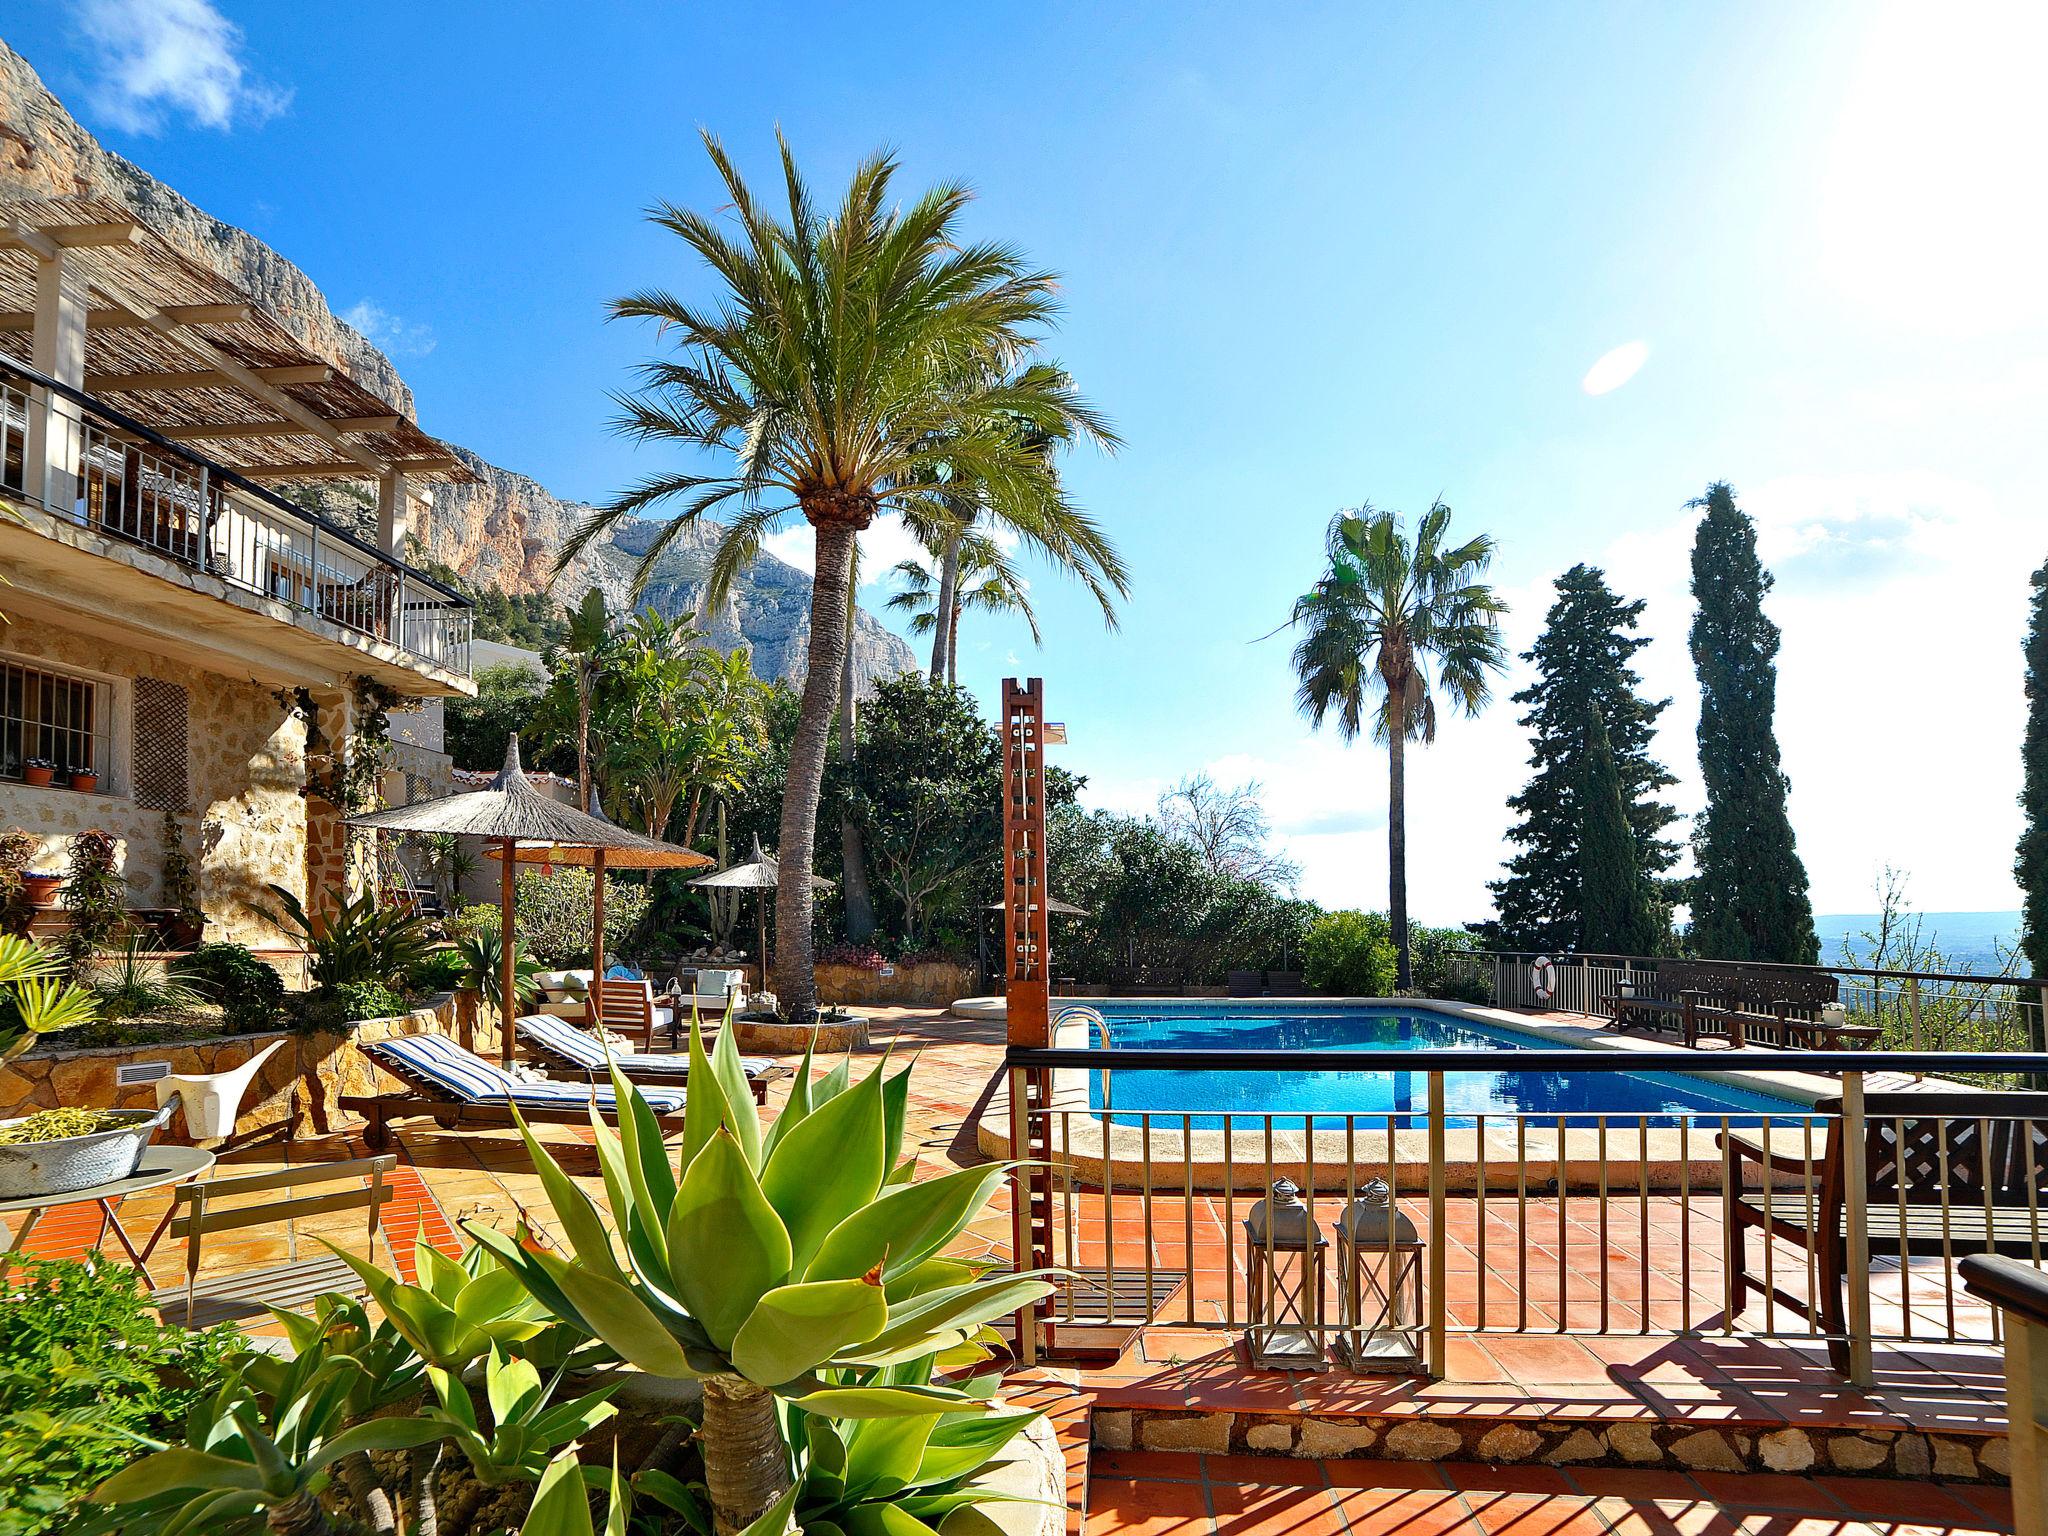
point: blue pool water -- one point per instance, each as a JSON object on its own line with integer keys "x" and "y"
{"x": 1307, "y": 1029}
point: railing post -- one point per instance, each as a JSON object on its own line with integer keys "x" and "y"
{"x": 1026, "y": 1317}
{"x": 2037, "y": 1036}
{"x": 1439, "y": 1240}
{"x": 1856, "y": 1217}
{"x": 205, "y": 519}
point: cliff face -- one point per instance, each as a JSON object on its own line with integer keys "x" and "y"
{"x": 502, "y": 531}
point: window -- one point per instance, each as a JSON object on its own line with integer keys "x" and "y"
{"x": 53, "y": 717}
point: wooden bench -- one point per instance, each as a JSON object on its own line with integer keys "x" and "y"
{"x": 294, "y": 1285}
{"x": 1708, "y": 998}
{"x": 1946, "y": 1174}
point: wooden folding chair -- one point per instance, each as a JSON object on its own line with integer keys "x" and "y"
{"x": 295, "y": 1284}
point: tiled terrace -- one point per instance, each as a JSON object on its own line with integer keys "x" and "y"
{"x": 1538, "y": 1380}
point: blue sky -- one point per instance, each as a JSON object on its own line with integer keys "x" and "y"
{"x": 1310, "y": 257}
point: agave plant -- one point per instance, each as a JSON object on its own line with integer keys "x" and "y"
{"x": 359, "y": 939}
{"x": 525, "y": 1428}
{"x": 35, "y": 999}
{"x": 800, "y": 1265}
{"x": 257, "y": 1461}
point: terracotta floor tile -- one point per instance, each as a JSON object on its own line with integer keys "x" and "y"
{"x": 1769, "y": 1491}
{"x": 1385, "y": 1476}
{"x": 1534, "y": 1514}
{"x": 1894, "y": 1499}
{"x": 1171, "y": 1466}
{"x": 1255, "y": 1510}
{"x": 1475, "y": 1477}
{"x": 1138, "y": 1507}
{"x": 1402, "y": 1512}
{"x": 1265, "y": 1470}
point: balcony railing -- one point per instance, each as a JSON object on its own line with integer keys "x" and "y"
{"x": 126, "y": 482}
{"x": 1943, "y": 1011}
{"x": 1838, "y": 1223}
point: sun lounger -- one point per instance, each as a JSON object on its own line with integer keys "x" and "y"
{"x": 462, "y": 1090}
{"x": 573, "y": 1053}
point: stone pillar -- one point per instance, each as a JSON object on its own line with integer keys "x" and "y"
{"x": 393, "y": 511}
{"x": 57, "y": 348}
{"x": 337, "y": 865}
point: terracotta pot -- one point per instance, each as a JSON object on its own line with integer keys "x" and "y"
{"x": 85, "y": 783}
{"x": 41, "y": 889}
{"x": 38, "y": 776}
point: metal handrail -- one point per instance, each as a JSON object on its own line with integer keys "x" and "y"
{"x": 1650, "y": 962}
{"x": 222, "y": 472}
{"x": 1824, "y": 1063}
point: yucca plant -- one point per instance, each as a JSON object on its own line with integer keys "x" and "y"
{"x": 355, "y": 940}
{"x": 525, "y": 1428}
{"x": 35, "y": 997}
{"x": 801, "y": 1264}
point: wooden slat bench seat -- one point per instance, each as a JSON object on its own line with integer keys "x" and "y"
{"x": 1946, "y": 1174}
{"x": 1706, "y": 999}
{"x": 216, "y": 1205}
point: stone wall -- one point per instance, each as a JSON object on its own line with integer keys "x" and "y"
{"x": 243, "y": 821}
{"x": 304, "y": 1081}
{"x": 928, "y": 984}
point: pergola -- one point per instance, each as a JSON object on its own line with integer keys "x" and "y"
{"x": 94, "y": 299}
{"x": 509, "y": 813}
{"x": 597, "y": 861}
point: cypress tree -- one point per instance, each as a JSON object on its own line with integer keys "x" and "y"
{"x": 1618, "y": 910}
{"x": 1749, "y": 897}
{"x": 2031, "y": 868}
{"x": 1583, "y": 668}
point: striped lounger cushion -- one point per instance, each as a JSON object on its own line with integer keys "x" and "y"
{"x": 573, "y": 1044}
{"x": 470, "y": 1078}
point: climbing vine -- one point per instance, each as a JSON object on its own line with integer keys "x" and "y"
{"x": 349, "y": 778}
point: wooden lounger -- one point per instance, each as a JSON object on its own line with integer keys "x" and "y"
{"x": 482, "y": 1109}
{"x": 559, "y": 1050}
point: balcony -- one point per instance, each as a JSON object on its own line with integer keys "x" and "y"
{"x": 294, "y": 585}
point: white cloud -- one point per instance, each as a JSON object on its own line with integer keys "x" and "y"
{"x": 1615, "y": 368}
{"x": 160, "y": 58}
{"x": 883, "y": 544}
{"x": 395, "y": 335}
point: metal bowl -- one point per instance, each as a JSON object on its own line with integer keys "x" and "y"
{"x": 32, "y": 1168}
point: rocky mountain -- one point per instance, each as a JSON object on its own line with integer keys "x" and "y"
{"x": 502, "y": 531}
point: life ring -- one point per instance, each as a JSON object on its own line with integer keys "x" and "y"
{"x": 1543, "y": 977}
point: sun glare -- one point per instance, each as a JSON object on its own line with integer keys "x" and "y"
{"x": 1616, "y": 368}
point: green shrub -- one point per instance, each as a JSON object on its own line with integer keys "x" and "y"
{"x": 359, "y": 939}
{"x": 1440, "y": 969}
{"x": 551, "y": 917}
{"x": 367, "y": 1000}
{"x": 249, "y": 992}
{"x": 83, "y": 1362}
{"x": 440, "y": 971}
{"x": 1350, "y": 954}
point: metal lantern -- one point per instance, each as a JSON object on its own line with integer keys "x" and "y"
{"x": 1379, "y": 1283}
{"x": 1284, "y": 1267}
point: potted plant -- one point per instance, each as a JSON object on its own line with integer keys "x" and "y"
{"x": 38, "y": 771}
{"x": 41, "y": 888}
{"x": 85, "y": 780}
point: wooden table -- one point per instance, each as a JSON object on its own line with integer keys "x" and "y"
{"x": 160, "y": 1166}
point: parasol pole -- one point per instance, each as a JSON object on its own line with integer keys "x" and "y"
{"x": 761, "y": 933}
{"x": 596, "y": 1009}
{"x": 506, "y": 1005}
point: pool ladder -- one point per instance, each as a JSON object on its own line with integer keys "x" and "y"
{"x": 1099, "y": 1027}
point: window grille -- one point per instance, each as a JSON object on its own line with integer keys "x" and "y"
{"x": 52, "y": 717}
{"x": 161, "y": 715}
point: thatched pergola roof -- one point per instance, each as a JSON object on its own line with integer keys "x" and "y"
{"x": 512, "y": 809}
{"x": 662, "y": 856}
{"x": 761, "y": 874}
{"x": 166, "y": 336}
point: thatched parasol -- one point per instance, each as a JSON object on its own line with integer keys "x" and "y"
{"x": 598, "y": 860}
{"x": 761, "y": 874}
{"x": 510, "y": 812}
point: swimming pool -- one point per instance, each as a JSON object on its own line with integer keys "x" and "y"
{"x": 1577, "y": 1097}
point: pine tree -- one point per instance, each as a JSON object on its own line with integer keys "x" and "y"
{"x": 1582, "y": 662}
{"x": 2031, "y": 868}
{"x": 1618, "y": 909}
{"x": 1749, "y": 898}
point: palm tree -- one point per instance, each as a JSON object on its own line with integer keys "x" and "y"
{"x": 589, "y": 646}
{"x": 841, "y": 350}
{"x": 985, "y": 582}
{"x": 1383, "y": 611}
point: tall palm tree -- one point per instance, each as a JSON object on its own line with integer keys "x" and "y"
{"x": 589, "y": 645}
{"x": 985, "y": 581}
{"x": 1383, "y": 613}
{"x": 839, "y": 350}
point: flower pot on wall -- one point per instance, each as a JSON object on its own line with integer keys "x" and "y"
{"x": 41, "y": 889}
{"x": 85, "y": 781}
{"x": 38, "y": 774}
